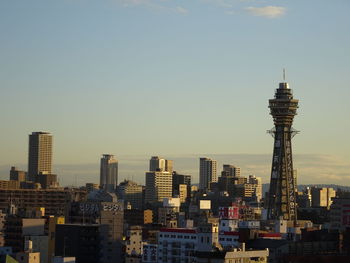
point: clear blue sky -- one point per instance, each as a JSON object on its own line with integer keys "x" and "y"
{"x": 145, "y": 77}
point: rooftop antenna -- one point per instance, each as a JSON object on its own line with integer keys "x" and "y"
{"x": 284, "y": 74}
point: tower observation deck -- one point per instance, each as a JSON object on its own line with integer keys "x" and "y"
{"x": 282, "y": 193}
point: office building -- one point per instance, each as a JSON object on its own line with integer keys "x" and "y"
{"x": 131, "y": 192}
{"x": 158, "y": 186}
{"x": 17, "y": 175}
{"x": 79, "y": 241}
{"x": 39, "y": 154}
{"x": 160, "y": 165}
{"x": 231, "y": 170}
{"x": 322, "y": 197}
{"x": 282, "y": 194}
{"x": 207, "y": 172}
{"x": 108, "y": 173}
{"x": 179, "y": 180}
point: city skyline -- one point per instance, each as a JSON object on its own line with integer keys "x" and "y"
{"x": 176, "y": 79}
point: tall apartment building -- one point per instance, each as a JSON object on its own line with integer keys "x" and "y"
{"x": 131, "y": 192}
{"x": 158, "y": 186}
{"x": 179, "y": 180}
{"x": 207, "y": 172}
{"x": 322, "y": 197}
{"x": 108, "y": 173}
{"x": 39, "y": 154}
{"x": 160, "y": 164}
{"x": 231, "y": 170}
{"x": 17, "y": 175}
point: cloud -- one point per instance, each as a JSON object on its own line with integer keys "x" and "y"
{"x": 156, "y": 5}
{"x": 267, "y": 11}
{"x": 181, "y": 10}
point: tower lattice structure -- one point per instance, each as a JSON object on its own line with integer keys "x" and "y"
{"x": 282, "y": 194}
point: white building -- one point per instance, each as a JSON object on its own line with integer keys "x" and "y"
{"x": 150, "y": 253}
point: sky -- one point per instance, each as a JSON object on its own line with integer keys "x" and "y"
{"x": 179, "y": 79}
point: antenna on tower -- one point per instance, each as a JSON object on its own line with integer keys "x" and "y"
{"x": 284, "y": 74}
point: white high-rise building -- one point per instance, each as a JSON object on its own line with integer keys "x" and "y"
{"x": 207, "y": 172}
{"x": 108, "y": 173}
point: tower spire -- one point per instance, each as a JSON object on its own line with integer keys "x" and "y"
{"x": 284, "y": 75}
{"x": 282, "y": 193}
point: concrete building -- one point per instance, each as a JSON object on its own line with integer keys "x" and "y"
{"x": 39, "y": 154}
{"x": 238, "y": 255}
{"x": 150, "y": 253}
{"x": 2, "y": 229}
{"x": 79, "y": 241}
{"x": 134, "y": 245}
{"x": 17, "y": 228}
{"x": 108, "y": 173}
{"x": 55, "y": 201}
{"x": 91, "y": 187}
{"x": 158, "y": 186}
{"x": 340, "y": 214}
{"x": 132, "y": 193}
{"x": 322, "y": 197}
{"x": 11, "y": 184}
{"x": 17, "y": 175}
{"x": 231, "y": 170}
{"x": 207, "y": 172}
{"x": 63, "y": 260}
{"x": 157, "y": 164}
{"x": 181, "y": 179}
{"x": 175, "y": 244}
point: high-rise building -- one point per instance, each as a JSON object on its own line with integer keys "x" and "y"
{"x": 108, "y": 173}
{"x": 158, "y": 186}
{"x": 231, "y": 170}
{"x": 39, "y": 154}
{"x": 322, "y": 197}
{"x": 179, "y": 180}
{"x": 17, "y": 175}
{"x": 157, "y": 164}
{"x": 207, "y": 172}
{"x": 282, "y": 193}
{"x": 132, "y": 193}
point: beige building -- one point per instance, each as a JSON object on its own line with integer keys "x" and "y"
{"x": 183, "y": 192}
{"x": 17, "y": 175}
{"x": 131, "y": 192}
{"x": 158, "y": 186}
{"x": 39, "y": 154}
{"x": 322, "y": 197}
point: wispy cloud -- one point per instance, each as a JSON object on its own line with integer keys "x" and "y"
{"x": 156, "y": 5}
{"x": 267, "y": 11}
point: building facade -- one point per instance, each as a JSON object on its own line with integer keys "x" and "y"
{"x": 108, "y": 173}
{"x": 39, "y": 154}
{"x": 207, "y": 172}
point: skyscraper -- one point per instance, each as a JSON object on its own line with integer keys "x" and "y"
{"x": 207, "y": 172}
{"x": 108, "y": 173}
{"x": 160, "y": 164}
{"x": 282, "y": 194}
{"x": 39, "y": 154}
{"x": 158, "y": 186}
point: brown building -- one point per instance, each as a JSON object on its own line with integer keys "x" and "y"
{"x": 6, "y": 185}
{"x": 55, "y": 201}
{"x": 17, "y": 175}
